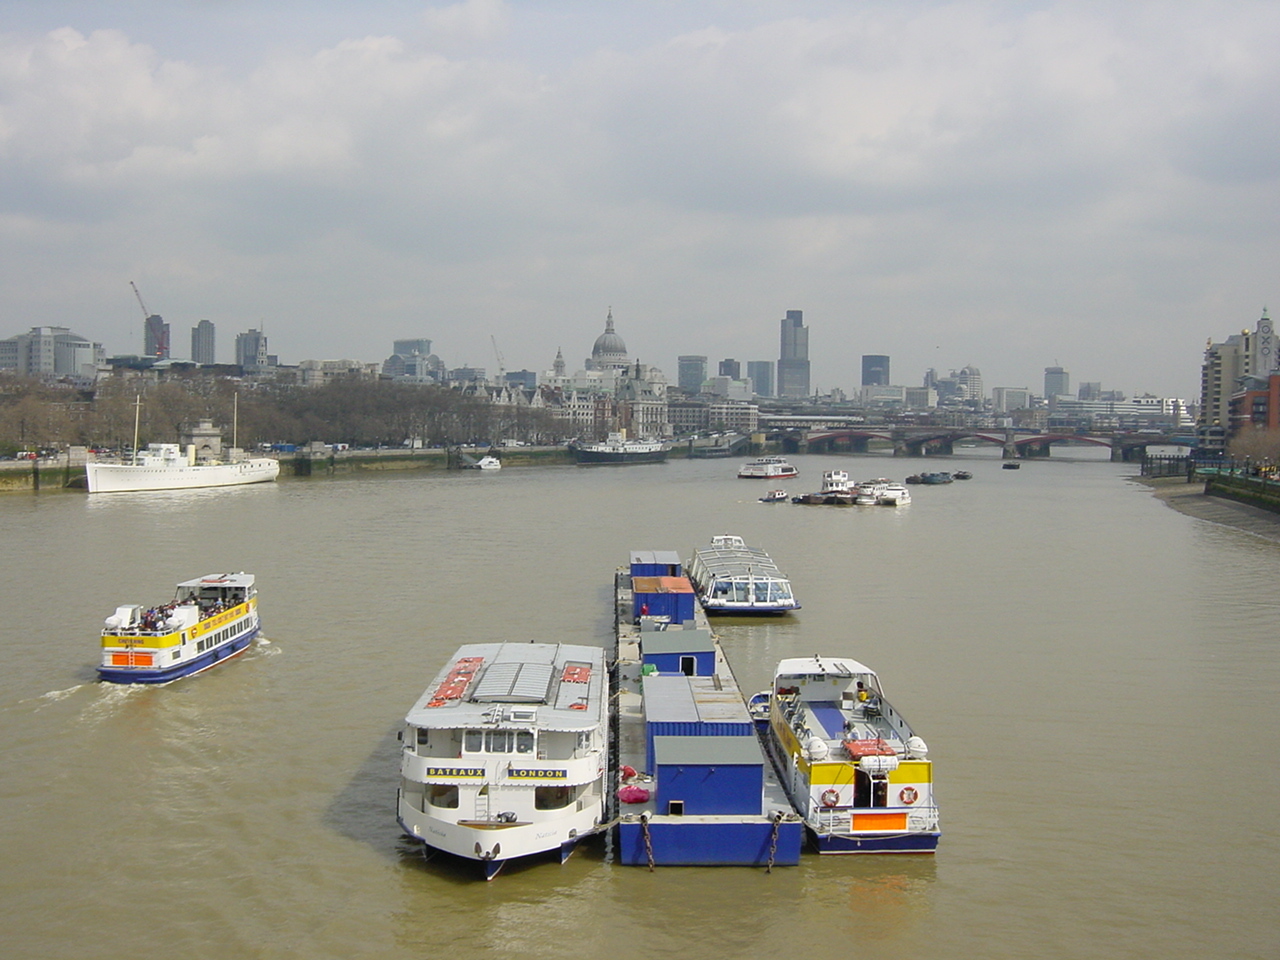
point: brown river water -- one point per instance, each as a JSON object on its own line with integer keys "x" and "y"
{"x": 1097, "y": 676}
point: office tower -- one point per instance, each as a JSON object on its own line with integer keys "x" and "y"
{"x": 1090, "y": 391}
{"x": 793, "y": 361}
{"x": 760, "y": 373}
{"x": 155, "y": 337}
{"x": 875, "y": 370}
{"x": 731, "y": 368}
{"x": 691, "y": 373}
{"x": 251, "y": 350}
{"x": 202, "y": 343}
{"x": 1057, "y": 382}
{"x": 407, "y": 348}
{"x": 1008, "y": 399}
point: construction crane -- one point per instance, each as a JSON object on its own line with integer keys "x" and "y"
{"x": 155, "y": 332}
{"x": 502, "y": 370}
{"x": 146, "y": 314}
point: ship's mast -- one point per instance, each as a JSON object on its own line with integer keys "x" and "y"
{"x": 137, "y": 413}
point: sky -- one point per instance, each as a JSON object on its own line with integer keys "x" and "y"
{"x": 1006, "y": 185}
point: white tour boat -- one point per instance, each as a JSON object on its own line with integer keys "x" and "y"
{"x": 211, "y": 619}
{"x": 853, "y": 767}
{"x": 767, "y": 468}
{"x": 489, "y": 463}
{"x": 731, "y": 577}
{"x": 894, "y": 495}
{"x": 868, "y": 492}
{"x": 505, "y": 753}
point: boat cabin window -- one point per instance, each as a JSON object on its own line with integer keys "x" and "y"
{"x": 443, "y": 795}
{"x": 498, "y": 741}
{"x": 552, "y": 798}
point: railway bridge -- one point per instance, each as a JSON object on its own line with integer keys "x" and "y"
{"x": 1015, "y": 444}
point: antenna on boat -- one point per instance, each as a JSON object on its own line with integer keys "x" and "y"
{"x": 137, "y": 412}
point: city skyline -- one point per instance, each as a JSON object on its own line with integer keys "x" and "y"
{"x": 1089, "y": 186}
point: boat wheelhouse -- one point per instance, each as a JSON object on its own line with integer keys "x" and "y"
{"x": 731, "y": 577}
{"x": 854, "y": 769}
{"x": 767, "y": 468}
{"x": 504, "y": 755}
{"x": 836, "y": 490}
{"x": 211, "y": 619}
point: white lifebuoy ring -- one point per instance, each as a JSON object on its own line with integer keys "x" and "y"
{"x": 830, "y": 798}
{"x": 908, "y": 795}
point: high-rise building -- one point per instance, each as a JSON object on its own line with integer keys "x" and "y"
{"x": 793, "y": 359}
{"x": 51, "y": 352}
{"x": 155, "y": 337}
{"x": 1008, "y": 399}
{"x": 1057, "y": 382}
{"x": 1089, "y": 390}
{"x": 760, "y": 373}
{"x": 407, "y": 348}
{"x": 691, "y": 374}
{"x": 875, "y": 370}
{"x": 251, "y": 350}
{"x": 202, "y": 343}
{"x": 731, "y": 368}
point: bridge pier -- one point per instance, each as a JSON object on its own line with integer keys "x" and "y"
{"x": 1010, "y": 451}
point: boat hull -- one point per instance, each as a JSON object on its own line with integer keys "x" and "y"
{"x": 687, "y": 842}
{"x": 828, "y": 843}
{"x": 198, "y": 664}
{"x": 589, "y": 457}
{"x": 128, "y": 478}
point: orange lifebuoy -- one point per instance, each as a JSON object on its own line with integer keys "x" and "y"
{"x": 830, "y": 798}
{"x": 908, "y": 795}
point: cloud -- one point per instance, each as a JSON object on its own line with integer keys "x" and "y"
{"x": 947, "y": 183}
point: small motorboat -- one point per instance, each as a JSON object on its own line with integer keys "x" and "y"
{"x": 962, "y": 475}
{"x": 1011, "y": 465}
{"x": 775, "y": 496}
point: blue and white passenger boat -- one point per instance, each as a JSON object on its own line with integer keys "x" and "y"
{"x": 211, "y": 619}
{"x": 731, "y": 577}
{"x": 505, "y": 754}
{"x": 695, "y": 787}
{"x": 854, "y": 769}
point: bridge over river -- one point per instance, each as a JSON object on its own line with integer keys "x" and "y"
{"x": 1015, "y": 444}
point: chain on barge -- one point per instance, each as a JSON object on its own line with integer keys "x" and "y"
{"x": 695, "y": 787}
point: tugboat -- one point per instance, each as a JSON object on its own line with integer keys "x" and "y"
{"x": 774, "y": 496}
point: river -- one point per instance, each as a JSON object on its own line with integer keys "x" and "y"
{"x": 1096, "y": 676}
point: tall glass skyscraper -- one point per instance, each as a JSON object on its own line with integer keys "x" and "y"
{"x": 875, "y": 370}
{"x": 691, "y": 373}
{"x": 793, "y": 360}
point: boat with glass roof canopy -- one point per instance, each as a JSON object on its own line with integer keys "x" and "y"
{"x": 731, "y": 577}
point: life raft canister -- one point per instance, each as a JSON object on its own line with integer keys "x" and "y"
{"x": 830, "y": 798}
{"x": 908, "y": 795}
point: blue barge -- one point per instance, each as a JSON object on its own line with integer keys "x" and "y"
{"x": 695, "y": 787}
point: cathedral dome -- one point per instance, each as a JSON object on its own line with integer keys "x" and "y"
{"x": 609, "y": 349}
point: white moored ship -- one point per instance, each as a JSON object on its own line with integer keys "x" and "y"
{"x": 731, "y": 577}
{"x": 211, "y": 619}
{"x": 767, "y": 468}
{"x": 505, "y": 753}
{"x": 165, "y": 466}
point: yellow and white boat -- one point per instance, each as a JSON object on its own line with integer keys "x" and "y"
{"x": 852, "y": 766}
{"x": 211, "y": 619}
